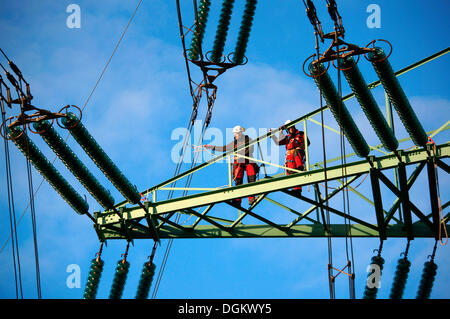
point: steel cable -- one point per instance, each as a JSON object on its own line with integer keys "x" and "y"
{"x": 82, "y": 109}
{"x": 12, "y": 214}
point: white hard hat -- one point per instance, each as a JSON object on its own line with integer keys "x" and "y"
{"x": 238, "y": 129}
{"x": 287, "y": 122}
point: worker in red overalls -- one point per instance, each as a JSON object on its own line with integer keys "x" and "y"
{"x": 240, "y": 164}
{"x": 295, "y": 149}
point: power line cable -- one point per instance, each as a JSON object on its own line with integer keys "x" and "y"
{"x": 11, "y": 208}
{"x": 82, "y": 109}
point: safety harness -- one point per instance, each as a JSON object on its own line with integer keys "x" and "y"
{"x": 295, "y": 146}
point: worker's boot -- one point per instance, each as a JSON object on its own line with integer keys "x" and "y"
{"x": 237, "y": 201}
{"x": 297, "y": 191}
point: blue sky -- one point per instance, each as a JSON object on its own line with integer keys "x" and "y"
{"x": 144, "y": 96}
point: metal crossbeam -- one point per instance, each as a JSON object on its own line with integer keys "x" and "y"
{"x": 216, "y": 227}
{"x": 295, "y": 122}
{"x": 266, "y": 231}
{"x": 110, "y": 225}
{"x": 275, "y": 184}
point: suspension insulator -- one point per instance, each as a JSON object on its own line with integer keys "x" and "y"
{"x": 371, "y": 292}
{"x": 197, "y": 37}
{"x": 427, "y": 280}
{"x": 99, "y": 157}
{"x": 120, "y": 278}
{"x": 244, "y": 32}
{"x": 339, "y": 110}
{"x": 95, "y": 273}
{"x": 48, "y": 171}
{"x": 397, "y": 96}
{"x": 368, "y": 103}
{"x": 222, "y": 30}
{"x": 72, "y": 162}
{"x": 145, "y": 282}
{"x": 401, "y": 275}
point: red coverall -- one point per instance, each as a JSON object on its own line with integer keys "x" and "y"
{"x": 295, "y": 151}
{"x": 240, "y": 164}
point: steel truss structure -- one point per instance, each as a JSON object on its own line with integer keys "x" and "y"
{"x": 402, "y": 219}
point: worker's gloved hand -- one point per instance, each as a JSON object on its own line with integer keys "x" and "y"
{"x": 208, "y": 146}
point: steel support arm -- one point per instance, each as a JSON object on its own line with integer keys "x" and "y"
{"x": 266, "y": 231}
{"x": 273, "y": 184}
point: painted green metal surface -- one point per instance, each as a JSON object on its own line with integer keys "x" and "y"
{"x": 220, "y": 228}
{"x": 220, "y": 157}
{"x": 267, "y": 231}
{"x": 276, "y": 184}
